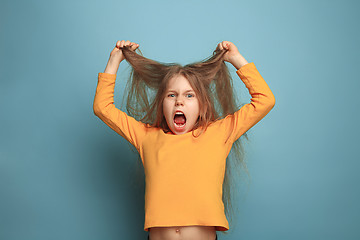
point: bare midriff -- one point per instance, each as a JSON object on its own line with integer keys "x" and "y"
{"x": 182, "y": 233}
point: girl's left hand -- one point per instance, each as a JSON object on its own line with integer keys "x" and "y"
{"x": 232, "y": 52}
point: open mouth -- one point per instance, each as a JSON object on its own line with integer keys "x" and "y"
{"x": 179, "y": 119}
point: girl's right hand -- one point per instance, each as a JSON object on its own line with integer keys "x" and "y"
{"x": 117, "y": 54}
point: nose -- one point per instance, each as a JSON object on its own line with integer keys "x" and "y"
{"x": 179, "y": 101}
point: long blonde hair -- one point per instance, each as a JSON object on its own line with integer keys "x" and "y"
{"x": 212, "y": 83}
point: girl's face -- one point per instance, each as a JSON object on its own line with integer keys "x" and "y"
{"x": 179, "y": 96}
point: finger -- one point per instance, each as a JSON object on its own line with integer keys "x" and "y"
{"x": 225, "y": 44}
{"x": 127, "y": 43}
{"x": 229, "y": 44}
{"x": 118, "y": 44}
{"x": 133, "y": 46}
{"x": 220, "y": 46}
{"x": 122, "y": 43}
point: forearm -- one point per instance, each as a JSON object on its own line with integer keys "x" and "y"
{"x": 238, "y": 61}
{"x": 112, "y": 66}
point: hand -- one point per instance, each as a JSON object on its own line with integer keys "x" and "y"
{"x": 233, "y": 55}
{"x": 117, "y": 53}
{"x": 232, "y": 52}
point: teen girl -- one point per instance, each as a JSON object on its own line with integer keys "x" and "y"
{"x": 183, "y": 133}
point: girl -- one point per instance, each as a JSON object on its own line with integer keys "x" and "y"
{"x": 183, "y": 133}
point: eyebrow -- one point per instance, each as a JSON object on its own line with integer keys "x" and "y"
{"x": 171, "y": 90}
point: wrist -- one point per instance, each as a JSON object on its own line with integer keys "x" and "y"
{"x": 112, "y": 66}
{"x": 114, "y": 60}
{"x": 238, "y": 61}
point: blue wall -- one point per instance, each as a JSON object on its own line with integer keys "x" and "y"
{"x": 65, "y": 175}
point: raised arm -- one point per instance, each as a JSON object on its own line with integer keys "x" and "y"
{"x": 104, "y": 108}
{"x": 262, "y": 99}
{"x": 128, "y": 127}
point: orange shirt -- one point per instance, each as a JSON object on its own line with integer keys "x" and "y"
{"x": 184, "y": 175}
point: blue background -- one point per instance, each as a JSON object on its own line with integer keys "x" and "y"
{"x": 64, "y": 174}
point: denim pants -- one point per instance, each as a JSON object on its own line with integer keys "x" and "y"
{"x": 149, "y": 237}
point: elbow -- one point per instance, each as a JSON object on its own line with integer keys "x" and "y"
{"x": 271, "y": 103}
{"x": 95, "y": 107}
{"x": 100, "y": 112}
{"x": 270, "y": 99}
{"x": 96, "y": 110}
{"x": 100, "y": 109}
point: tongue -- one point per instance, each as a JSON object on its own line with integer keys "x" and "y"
{"x": 180, "y": 119}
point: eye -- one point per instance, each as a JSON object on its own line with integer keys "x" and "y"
{"x": 170, "y": 95}
{"x": 191, "y": 95}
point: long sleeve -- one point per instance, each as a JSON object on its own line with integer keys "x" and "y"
{"x": 262, "y": 101}
{"x": 128, "y": 127}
